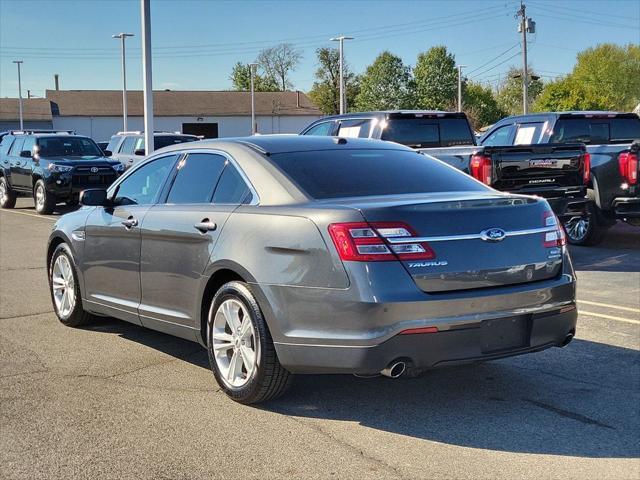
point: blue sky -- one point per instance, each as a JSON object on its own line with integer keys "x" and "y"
{"x": 196, "y": 43}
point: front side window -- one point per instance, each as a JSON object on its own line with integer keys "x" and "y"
{"x": 113, "y": 143}
{"x": 17, "y": 147}
{"x": 354, "y": 128}
{"x": 28, "y": 144}
{"x": 232, "y": 189}
{"x": 68, "y": 146}
{"x": 142, "y": 186}
{"x": 128, "y": 145}
{"x": 321, "y": 129}
{"x": 500, "y": 136}
{"x": 196, "y": 179}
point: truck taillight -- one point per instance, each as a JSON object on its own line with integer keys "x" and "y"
{"x": 556, "y": 237}
{"x": 481, "y": 168}
{"x": 628, "y": 165}
{"x": 369, "y": 242}
{"x": 586, "y": 172}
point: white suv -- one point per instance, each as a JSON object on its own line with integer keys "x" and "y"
{"x": 128, "y": 147}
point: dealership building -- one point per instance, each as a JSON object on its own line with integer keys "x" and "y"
{"x": 213, "y": 114}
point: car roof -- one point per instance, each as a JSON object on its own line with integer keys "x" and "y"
{"x": 378, "y": 113}
{"x": 577, "y": 113}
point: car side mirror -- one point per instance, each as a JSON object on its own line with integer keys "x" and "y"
{"x": 94, "y": 197}
{"x": 140, "y": 151}
{"x": 107, "y": 153}
{"x": 26, "y": 154}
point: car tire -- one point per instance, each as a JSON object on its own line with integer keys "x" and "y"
{"x": 65, "y": 289}
{"x": 588, "y": 230}
{"x": 45, "y": 201}
{"x": 7, "y": 195}
{"x": 242, "y": 355}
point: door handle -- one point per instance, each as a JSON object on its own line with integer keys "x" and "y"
{"x": 130, "y": 222}
{"x": 205, "y": 226}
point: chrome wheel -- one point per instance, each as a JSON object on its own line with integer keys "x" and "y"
{"x": 3, "y": 192}
{"x": 234, "y": 343}
{"x": 40, "y": 197}
{"x": 577, "y": 228}
{"x": 63, "y": 285}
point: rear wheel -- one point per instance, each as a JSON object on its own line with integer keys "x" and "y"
{"x": 241, "y": 352}
{"x": 45, "y": 201}
{"x": 7, "y": 196}
{"x": 586, "y": 230}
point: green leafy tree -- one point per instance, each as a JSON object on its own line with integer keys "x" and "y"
{"x": 385, "y": 85}
{"x": 606, "y": 77}
{"x": 325, "y": 92}
{"x": 510, "y": 91}
{"x": 241, "y": 79}
{"x": 278, "y": 62}
{"x": 436, "y": 79}
{"x": 480, "y": 105}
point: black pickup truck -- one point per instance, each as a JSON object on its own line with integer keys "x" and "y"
{"x": 612, "y": 141}
{"x": 556, "y": 172}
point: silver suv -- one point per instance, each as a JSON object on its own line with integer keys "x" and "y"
{"x": 128, "y": 147}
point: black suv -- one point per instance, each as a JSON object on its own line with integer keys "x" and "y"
{"x": 52, "y": 167}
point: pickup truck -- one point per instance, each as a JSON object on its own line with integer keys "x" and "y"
{"x": 556, "y": 172}
{"x": 612, "y": 141}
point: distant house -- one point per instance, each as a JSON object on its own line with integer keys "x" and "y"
{"x": 98, "y": 113}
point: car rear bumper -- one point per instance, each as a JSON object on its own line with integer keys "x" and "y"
{"x": 627, "y": 207}
{"x": 449, "y": 346}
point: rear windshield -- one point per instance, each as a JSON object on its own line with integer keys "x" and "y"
{"x": 428, "y": 132}
{"x": 596, "y": 130}
{"x": 354, "y": 173}
{"x": 68, "y": 146}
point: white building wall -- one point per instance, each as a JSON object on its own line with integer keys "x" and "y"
{"x": 101, "y": 128}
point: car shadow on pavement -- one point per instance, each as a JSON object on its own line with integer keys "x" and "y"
{"x": 618, "y": 252}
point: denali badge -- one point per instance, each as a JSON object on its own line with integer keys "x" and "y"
{"x": 492, "y": 235}
{"x": 542, "y": 180}
{"x": 433, "y": 263}
{"x": 547, "y": 162}
{"x": 94, "y": 170}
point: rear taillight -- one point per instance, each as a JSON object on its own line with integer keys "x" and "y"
{"x": 481, "y": 168}
{"x": 369, "y": 242}
{"x": 628, "y": 165}
{"x": 556, "y": 237}
{"x": 586, "y": 172}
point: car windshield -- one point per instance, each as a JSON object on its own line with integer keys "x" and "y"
{"x": 68, "y": 146}
{"x": 355, "y": 173}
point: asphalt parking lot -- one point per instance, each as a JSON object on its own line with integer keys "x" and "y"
{"x": 117, "y": 401}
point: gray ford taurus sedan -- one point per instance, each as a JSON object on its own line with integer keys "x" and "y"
{"x": 291, "y": 254}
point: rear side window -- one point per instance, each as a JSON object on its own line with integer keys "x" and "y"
{"x": 232, "y": 189}
{"x": 596, "y": 130}
{"x": 354, "y": 128}
{"x": 321, "y": 129}
{"x": 196, "y": 179}
{"x": 428, "y": 132}
{"x": 353, "y": 173}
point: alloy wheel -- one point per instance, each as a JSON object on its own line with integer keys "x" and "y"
{"x": 40, "y": 195}
{"x": 63, "y": 285}
{"x": 3, "y": 192}
{"x": 577, "y": 228}
{"x": 235, "y": 347}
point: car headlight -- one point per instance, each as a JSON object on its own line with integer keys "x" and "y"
{"x": 118, "y": 167}
{"x": 59, "y": 168}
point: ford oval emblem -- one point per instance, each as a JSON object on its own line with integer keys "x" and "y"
{"x": 94, "y": 170}
{"x": 493, "y": 235}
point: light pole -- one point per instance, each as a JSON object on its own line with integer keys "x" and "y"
{"x": 460, "y": 67}
{"x": 122, "y": 37}
{"x": 145, "y": 15}
{"x": 341, "y": 39}
{"x": 253, "y": 100}
{"x": 19, "y": 62}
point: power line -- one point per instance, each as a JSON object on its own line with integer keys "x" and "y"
{"x": 496, "y": 65}
{"x": 495, "y": 58}
{"x": 583, "y": 11}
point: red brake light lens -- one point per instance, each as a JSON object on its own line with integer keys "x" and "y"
{"x": 369, "y": 242}
{"x": 481, "y": 168}
{"x": 553, "y": 238}
{"x": 628, "y": 165}
{"x": 586, "y": 173}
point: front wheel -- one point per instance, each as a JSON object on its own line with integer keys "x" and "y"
{"x": 7, "y": 196}
{"x": 45, "y": 201}
{"x": 241, "y": 352}
{"x": 586, "y": 230}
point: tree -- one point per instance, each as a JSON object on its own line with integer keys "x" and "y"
{"x": 325, "y": 92}
{"x": 386, "y": 85}
{"x": 510, "y": 91}
{"x": 480, "y": 105}
{"x": 278, "y": 62}
{"x": 241, "y": 79}
{"x": 436, "y": 79}
{"x": 605, "y": 77}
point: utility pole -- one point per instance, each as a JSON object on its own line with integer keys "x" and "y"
{"x": 526, "y": 26}
{"x": 19, "y": 62}
{"x": 343, "y": 102}
{"x": 252, "y": 67}
{"x": 122, "y": 37}
{"x": 460, "y": 67}
{"x": 146, "y": 73}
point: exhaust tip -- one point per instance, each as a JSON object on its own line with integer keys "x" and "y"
{"x": 394, "y": 369}
{"x": 567, "y": 339}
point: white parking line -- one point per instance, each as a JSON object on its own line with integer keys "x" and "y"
{"x": 610, "y": 317}
{"x": 608, "y": 305}
{"x": 35, "y": 215}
